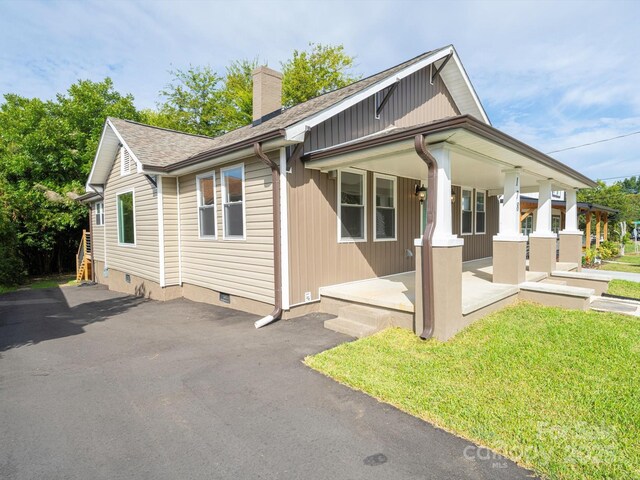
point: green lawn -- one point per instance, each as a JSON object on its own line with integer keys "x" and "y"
{"x": 624, "y": 288}
{"x": 43, "y": 282}
{"x": 627, "y": 263}
{"x": 55, "y": 281}
{"x": 555, "y": 390}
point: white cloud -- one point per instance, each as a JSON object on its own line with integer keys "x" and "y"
{"x": 550, "y": 73}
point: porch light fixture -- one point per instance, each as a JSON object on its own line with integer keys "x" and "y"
{"x": 421, "y": 192}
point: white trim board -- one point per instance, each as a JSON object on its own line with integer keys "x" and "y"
{"x": 161, "y": 249}
{"x": 284, "y": 230}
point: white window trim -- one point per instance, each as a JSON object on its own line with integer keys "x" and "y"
{"x": 472, "y": 198}
{"x": 223, "y": 189}
{"x": 101, "y": 216}
{"x": 363, "y": 174}
{"x": 475, "y": 205}
{"x": 135, "y": 230}
{"x": 214, "y": 206}
{"x": 124, "y": 172}
{"x": 374, "y": 208}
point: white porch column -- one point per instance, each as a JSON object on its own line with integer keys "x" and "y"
{"x": 542, "y": 242}
{"x": 509, "y": 245}
{"x": 571, "y": 237}
{"x": 445, "y": 260}
{"x": 543, "y": 214}
{"x": 443, "y": 235}
{"x": 509, "y": 227}
{"x": 571, "y": 214}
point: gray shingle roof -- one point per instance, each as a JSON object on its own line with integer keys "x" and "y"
{"x": 158, "y": 147}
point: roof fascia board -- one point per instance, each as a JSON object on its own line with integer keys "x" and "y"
{"x": 133, "y": 155}
{"x": 95, "y": 158}
{"x": 472, "y": 90}
{"x": 297, "y": 130}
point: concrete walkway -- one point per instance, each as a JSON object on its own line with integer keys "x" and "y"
{"x": 97, "y": 385}
{"x": 633, "y": 277}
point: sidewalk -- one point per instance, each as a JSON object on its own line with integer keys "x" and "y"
{"x": 633, "y": 277}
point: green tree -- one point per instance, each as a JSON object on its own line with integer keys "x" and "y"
{"x": 200, "y": 101}
{"x": 631, "y": 185}
{"x": 46, "y": 152}
{"x": 318, "y": 70}
{"x": 193, "y": 102}
{"x": 614, "y": 196}
{"x": 237, "y": 94}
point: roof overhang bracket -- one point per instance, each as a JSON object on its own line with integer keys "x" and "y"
{"x": 439, "y": 69}
{"x": 386, "y": 98}
{"x": 153, "y": 180}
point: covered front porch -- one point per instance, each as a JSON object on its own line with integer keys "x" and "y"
{"x": 397, "y": 293}
{"x": 473, "y": 176}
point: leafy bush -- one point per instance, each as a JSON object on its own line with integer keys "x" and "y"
{"x": 609, "y": 250}
{"x": 11, "y": 267}
{"x": 589, "y": 257}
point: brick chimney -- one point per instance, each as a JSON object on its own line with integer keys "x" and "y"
{"x": 267, "y": 92}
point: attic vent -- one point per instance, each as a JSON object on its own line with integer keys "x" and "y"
{"x": 125, "y": 161}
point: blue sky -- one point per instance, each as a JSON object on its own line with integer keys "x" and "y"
{"x": 553, "y": 74}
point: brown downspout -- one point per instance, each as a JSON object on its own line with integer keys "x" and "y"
{"x": 277, "y": 264}
{"x": 428, "y": 312}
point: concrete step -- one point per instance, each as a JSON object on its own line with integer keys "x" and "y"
{"x": 554, "y": 282}
{"x": 616, "y": 305}
{"x": 555, "y": 289}
{"x": 372, "y": 316}
{"x": 349, "y": 327}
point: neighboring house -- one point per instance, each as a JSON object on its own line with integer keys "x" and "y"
{"x": 323, "y": 193}
{"x": 600, "y": 213}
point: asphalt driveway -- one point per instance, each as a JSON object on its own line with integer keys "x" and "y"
{"x": 95, "y": 384}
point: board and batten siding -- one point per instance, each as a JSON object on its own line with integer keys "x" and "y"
{"x": 170, "y": 221}
{"x": 97, "y": 237}
{"x": 237, "y": 267}
{"x": 476, "y": 246}
{"x": 142, "y": 259}
{"x": 415, "y": 101}
{"x": 316, "y": 258}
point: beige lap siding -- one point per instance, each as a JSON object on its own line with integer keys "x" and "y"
{"x": 238, "y": 267}
{"x": 142, "y": 259}
{"x": 171, "y": 244}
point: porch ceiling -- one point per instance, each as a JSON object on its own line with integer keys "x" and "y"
{"x": 477, "y": 160}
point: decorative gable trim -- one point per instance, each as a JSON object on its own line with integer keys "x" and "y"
{"x": 296, "y": 131}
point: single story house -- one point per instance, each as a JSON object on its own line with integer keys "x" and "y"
{"x": 397, "y": 173}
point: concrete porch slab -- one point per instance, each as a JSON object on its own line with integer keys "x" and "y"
{"x": 397, "y": 292}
